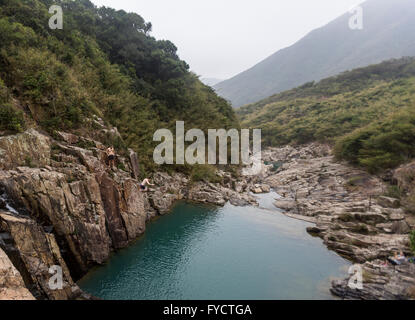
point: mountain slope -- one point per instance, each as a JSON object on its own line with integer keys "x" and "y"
{"x": 210, "y": 81}
{"x": 388, "y": 32}
{"x": 369, "y": 113}
{"x": 102, "y": 64}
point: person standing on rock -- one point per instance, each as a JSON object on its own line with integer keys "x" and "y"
{"x": 111, "y": 157}
{"x": 144, "y": 185}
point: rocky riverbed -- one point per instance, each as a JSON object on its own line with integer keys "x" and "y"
{"x": 61, "y": 205}
{"x": 351, "y": 214}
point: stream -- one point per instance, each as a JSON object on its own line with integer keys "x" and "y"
{"x": 214, "y": 253}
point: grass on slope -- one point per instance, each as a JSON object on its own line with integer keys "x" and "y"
{"x": 104, "y": 63}
{"x": 368, "y": 113}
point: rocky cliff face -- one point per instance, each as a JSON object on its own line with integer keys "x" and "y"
{"x": 12, "y": 286}
{"x": 70, "y": 210}
{"x": 62, "y": 206}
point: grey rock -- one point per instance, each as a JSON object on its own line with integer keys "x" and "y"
{"x": 388, "y": 202}
{"x": 400, "y": 227}
{"x": 134, "y": 163}
{"x": 285, "y": 204}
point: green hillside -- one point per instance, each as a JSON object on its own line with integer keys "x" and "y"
{"x": 368, "y": 113}
{"x": 105, "y": 63}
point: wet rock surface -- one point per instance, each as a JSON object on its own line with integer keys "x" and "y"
{"x": 30, "y": 148}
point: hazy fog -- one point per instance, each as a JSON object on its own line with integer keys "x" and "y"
{"x": 220, "y": 38}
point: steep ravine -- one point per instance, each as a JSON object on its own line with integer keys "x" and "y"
{"x": 72, "y": 211}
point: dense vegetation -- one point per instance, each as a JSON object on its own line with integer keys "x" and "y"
{"x": 104, "y": 63}
{"x": 369, "y": 113}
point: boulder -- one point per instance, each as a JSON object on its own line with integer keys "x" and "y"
{"x": 12, "y": 286}
{"x": 238, "y": 202}
{"x": 388, "y": 202}
{"x": 396, "y": 217}
{"x": 240, "y": 187}
{"x": 400, "y": 227}
{"x": 75, "y": 210}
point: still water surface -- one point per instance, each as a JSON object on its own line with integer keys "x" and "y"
{"x": 205, "y": 252}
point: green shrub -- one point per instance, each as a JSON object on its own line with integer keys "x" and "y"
{"x": 394, "y": 192}
{"x": 11, "y": 119}
{"x": 121, "y": 166}
{"x": 112, "y": 68}
{"x": 412, "y": 240}
{"x": 346, "y": 217}
{"x": 409, "y": 203}
{"x": 204, "y": 173}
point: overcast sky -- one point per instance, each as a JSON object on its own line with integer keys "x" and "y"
{"x": 221, "y": 38}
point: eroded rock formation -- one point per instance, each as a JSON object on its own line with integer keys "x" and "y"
{"x": 351, "y": 215}
{"x": 71, "y": 210}
{"x": 62, "y": 206}
{"x": 12, "y": 286}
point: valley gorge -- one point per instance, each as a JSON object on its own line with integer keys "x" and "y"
{"x": 61, "y": 205}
